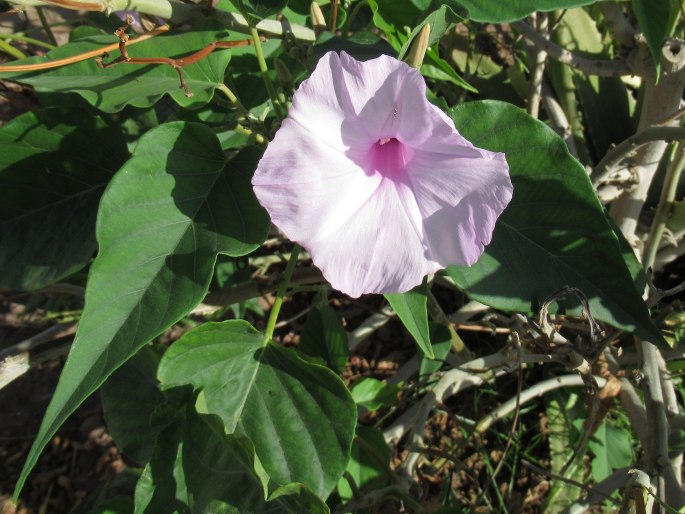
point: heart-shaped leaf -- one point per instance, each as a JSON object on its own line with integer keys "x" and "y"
{"x": 165, "y": 216}
{"x": 54, "y": 167}
{"x": 111, "y": 89}
{"x": 299, "y": 415}
{"x": 128, "y": 398}
{"x": 554, "y": 233}
{"x": 324, "y": 336}
{"x": 511, "y": 10}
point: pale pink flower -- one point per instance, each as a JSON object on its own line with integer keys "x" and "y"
{"x": 375, "y": 182}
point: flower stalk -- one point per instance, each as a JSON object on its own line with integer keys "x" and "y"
{"x": 280, "y": 294}
{"x": 264, "y": 69}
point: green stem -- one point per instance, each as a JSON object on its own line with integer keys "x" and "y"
{"x": 663, "y": 210}
{"x": 350, "y": 18}
{"x": 10, "y": 50}
{"x": 276, "y": 308}
{"x": 46, "y": 26}
{"x": 26, "y": 39}
{"x": 259, "y": 139}
{"x": 264, "y": 69}
{"x": 233, "y": 99}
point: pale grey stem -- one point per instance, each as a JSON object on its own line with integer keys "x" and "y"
{"x": 50, "y": 334}
{"x": 630, "y": 401}
{"x": 13, "y": 367}
{"x": 656, "y": 451}
{"x": 606, "y": 68}
{"x": 529, "y": 394}
{"x": 558, "y": 119}
{"x": 474, "y": 373}
{"x": 654, "y": 399}
{"x": 600, "y": 492}
{"x": 637, "y": 414}
{"x": 661, "y": 99}
{"x": 668, "y": 255}
{"x": 538, "y": 74}
{"x": 623, "y": 150}
{"x": 618, "y": 24}
{"x": 672, "y": 409}
{"x": 369, "y": 326}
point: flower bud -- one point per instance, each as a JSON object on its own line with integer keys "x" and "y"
{"x": 318, "y": 21}
{"x": 418, "y": 48}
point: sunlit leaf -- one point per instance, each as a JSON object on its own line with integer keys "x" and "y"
{"x": 166, "y": 215}
{"x": 299, "y": 415}
{"x": 411, "y": 308}
{"x": 111, "y": 89}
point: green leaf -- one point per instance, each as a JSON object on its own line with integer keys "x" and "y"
{"x": 324, "y": 336}
{"x": 604, "y": 100}
{"x": 54, "y": 167}
{"x": 612, "y": 449}
{"x": 412, "y": 311}
{"x": 162, "y": 486}
{"x": 554, "y": 233}
{"x": 260, "y": 9}
{"x": 362, "y": 46}
{"x": 111, "y": 89}
{"x": 164, "y": 218}
{"x": 441, "y": 342}
{"x": 443, "y": 16}
{"x": 437, "y": 68}
{"x": 219, "y": 468}
{"x": 295, "y": 499}
{"x": 561, "y": 411}
{"x": 196, "y": 468}
{"x": 511, "y": 10}
{"x": 369, "y": 463}
{"x": 654, "y": 19}
{"x": 381, "y": 19}
{"x": 373, "y": 394}
{"x": 129, "y": 397}
{"x": 299, "y": 415}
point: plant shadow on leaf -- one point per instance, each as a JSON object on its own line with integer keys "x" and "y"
{"x": 158, "y": 245}
{"x": 53, "y": 171}
{"x": 554, "y": 233}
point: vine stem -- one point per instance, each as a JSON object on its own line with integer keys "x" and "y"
{"x": 668, "y": 193}
{"x": 264, "y": 69}
{"x": 11, "y": 51}
{"x": 278, "y": 302}
{"x": 46, "y": 26}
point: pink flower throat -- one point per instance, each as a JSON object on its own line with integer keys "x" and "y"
{"x": 389, "y": 157}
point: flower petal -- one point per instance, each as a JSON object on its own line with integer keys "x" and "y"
{"x": 378, "y": 249}
{"x": 460, "y": 196}
{"x": 323, "y": 104}
{"x": 309, "y": 188}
